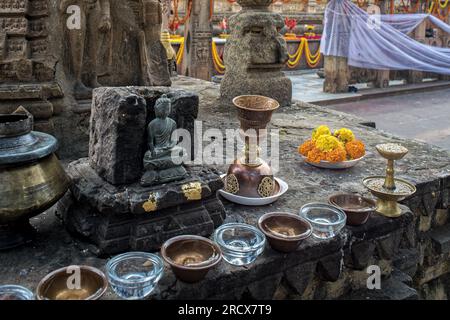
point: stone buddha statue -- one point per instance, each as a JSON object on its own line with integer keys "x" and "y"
{"x": 163, "y": 160}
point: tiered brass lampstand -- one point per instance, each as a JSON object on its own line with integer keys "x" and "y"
{"x": 388, "y": 189}
{"x": 250, "y": 176}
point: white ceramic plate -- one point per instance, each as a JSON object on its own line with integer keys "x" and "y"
{"x": 333, "y": 165}
{"x": 255, "y": 201}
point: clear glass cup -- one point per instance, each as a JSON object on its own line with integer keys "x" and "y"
{"x": 13, "y": 292}
{"x": 240, "y": 243}
{"x": 327, "y": 220}
{"x": 134, "y": 275}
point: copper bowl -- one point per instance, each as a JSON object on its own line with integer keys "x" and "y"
{"x": 284, "y": 231}
{"x": 62, "y": 285}
{"x": 255, "y": 112}
{"x": 356, "y": 207}
{"x": 191, "y": 257}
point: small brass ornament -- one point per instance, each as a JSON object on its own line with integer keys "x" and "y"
{"x": 266, "y": 187}
{"x": 231, "y": 184}
{"x": 151, "y": 204}
{"x": 192, "y": 191}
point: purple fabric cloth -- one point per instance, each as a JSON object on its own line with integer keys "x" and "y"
{"x": 380, "y": 41}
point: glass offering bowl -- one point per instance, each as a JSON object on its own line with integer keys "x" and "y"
{"x": 134, "y": 275}
{"x": 327, "y": 220}
{"x": 240, "y": 243}
{"x": 12, "y": 292}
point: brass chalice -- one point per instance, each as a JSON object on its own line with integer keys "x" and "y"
{"x": 388, "y": 189}
{"x": 250, "y": 176}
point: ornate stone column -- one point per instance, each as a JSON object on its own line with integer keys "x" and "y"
{"x": 197, "y": 57}
{"x": 255, "y": 55}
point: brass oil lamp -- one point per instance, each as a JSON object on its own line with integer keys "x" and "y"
{"x": 32, "y": 179}
{"x": 388, "y": 189}
{"x": 250, "y": 176}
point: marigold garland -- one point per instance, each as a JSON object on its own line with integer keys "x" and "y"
{"x": 323, "y": 146}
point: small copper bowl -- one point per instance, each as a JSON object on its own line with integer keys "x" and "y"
{"x": 284, "y": 231}
{"x": 62, "y": 284}
{"x": 356, "y": 207}
{"x": 191, "y": 257}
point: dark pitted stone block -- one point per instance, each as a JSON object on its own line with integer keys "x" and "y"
{"x": 362, "y": 253}
{"x": 131, "y": 217}
{"x": 300, "y": 276}
{"x": 407, "y": 261}
{"x": 388, "y": 246}
{"x": 118, "y": 124}
{"x": 330, "y": 268}
{"x": 441, "y": 239}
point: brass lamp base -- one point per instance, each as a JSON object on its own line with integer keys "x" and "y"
{"x": 388, "y": 208}
{"x": 16, "y": 235}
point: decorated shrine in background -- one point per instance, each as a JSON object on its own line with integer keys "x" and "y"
{"x": 302, "y": 30}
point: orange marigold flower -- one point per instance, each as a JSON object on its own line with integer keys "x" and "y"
{"x": 336, "y": 155}
{"x": 315, "y": 155}
{"x": 306, "y": 147}
{"x": 355, "y": 149}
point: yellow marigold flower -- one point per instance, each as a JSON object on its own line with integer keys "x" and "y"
{"x": 328, "y": 143}
{"x": 306, "y": 147}
{"x": 320, "y": 131}
{"x": 355, "y": 149}
{"x": 345, "y": 135}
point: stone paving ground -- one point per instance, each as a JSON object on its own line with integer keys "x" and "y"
{"x": 423, "y": 116}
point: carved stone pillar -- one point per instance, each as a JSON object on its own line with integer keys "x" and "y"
{"x": 255, "y": 54}
{"x": 27, "y": 61}
{"x": 197, "y": 57}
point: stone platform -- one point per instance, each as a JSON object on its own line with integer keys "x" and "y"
{"x": 134, "y": 218}
{"x": 412, "y": 252}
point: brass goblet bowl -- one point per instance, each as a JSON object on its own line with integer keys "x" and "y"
{"x": 284, "y": 231}
{"x": 191, "y": 257}
{"x": 392, "y": 151}
{"x": 255, "y": 112}
{"x": 59, "y": 285}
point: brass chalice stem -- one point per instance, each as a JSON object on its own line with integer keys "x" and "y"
{"x": 389, "y": 182}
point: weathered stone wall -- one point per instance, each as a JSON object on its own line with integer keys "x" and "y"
{"x": 412, "y": 251}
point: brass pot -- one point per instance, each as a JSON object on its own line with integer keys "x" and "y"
{"x": 32, "y": 178}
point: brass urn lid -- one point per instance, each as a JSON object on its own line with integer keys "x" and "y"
{"x": 18, "y": 143}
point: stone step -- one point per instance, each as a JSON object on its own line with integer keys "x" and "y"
{"x": 392, "y": 288}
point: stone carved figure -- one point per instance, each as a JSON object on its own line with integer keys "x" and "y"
{"x": 153, "y": 54}
{"x": 255, "y": 54}
{"x": 95, "y": 19}
{"x": 163, "y": 160}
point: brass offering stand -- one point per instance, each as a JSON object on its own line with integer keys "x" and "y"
{"x": 250, "y": 176}
{"x": 388, "y": 189}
